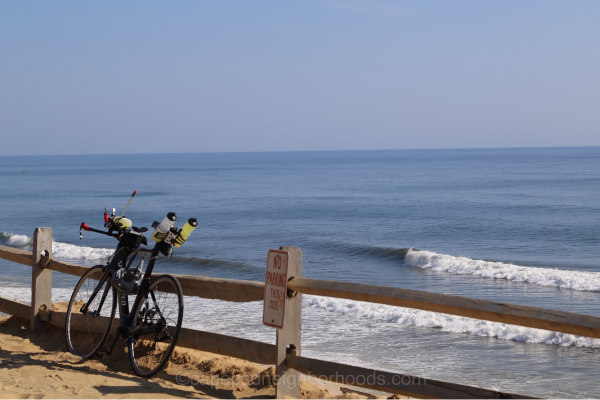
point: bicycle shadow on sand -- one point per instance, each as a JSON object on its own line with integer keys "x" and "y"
{"x": 186, "y": 377}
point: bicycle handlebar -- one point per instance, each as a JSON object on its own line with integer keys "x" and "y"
{"x": 165, "y": 233}
{"x": 123, "y": 226}
{"x": 87, "y": 228}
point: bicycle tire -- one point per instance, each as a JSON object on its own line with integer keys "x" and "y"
{"x": 156, "y": 325}
{"x": 86, "y": 333}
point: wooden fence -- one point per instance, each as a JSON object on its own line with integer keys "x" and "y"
{"x": 286, "y": 354}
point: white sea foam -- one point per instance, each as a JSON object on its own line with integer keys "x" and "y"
{"x": 18, "y": 240}
{"x": 565, "y": 279}
{"x": 60, "y": 251}
{"x": 446, "y": 323}
{"x": 16, "y": 293}
{"x": 66, "y": 251}
{"x": 15, "y": 240}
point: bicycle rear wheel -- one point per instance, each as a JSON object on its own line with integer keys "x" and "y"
{"x": 88, "y": 323}
{"x": 156, "y": 325}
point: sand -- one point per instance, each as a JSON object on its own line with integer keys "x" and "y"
{"x": 37, "y": 365}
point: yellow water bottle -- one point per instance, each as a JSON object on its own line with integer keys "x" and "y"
{"x": 184, "y": 232}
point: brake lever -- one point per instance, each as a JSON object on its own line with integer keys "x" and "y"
{"x": 83, "y": 227}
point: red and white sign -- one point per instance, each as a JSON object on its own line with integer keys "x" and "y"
{"x": 275, "y": 288}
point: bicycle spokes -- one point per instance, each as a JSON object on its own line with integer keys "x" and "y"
{"x": 90, "y": 313}
{"x": 156, "y": 326}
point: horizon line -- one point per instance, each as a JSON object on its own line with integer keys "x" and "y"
{"x": 299, "y": 151}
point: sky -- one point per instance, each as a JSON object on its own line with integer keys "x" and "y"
{"x": 83, "y": 77}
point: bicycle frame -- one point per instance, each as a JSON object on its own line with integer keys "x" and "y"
{"x": 125, "y": 328}
{"x": 142, "y": 293}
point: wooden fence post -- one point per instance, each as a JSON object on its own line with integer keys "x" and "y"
{"x": 289, "y": 337}
{"x": 41, "y": 277}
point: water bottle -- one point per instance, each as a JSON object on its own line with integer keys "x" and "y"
{"x": 184, "y": 232}
{"x": 163, "y": 228}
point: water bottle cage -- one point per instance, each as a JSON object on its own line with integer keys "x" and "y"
{"x": 165, "y": 246}
{"x": 171, "y": 236}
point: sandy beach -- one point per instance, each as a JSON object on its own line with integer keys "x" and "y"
{"x": 36, "y": 365}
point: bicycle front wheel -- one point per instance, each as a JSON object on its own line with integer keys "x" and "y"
{"x": 156, "y": 325}
{"x": 88, "y": 320}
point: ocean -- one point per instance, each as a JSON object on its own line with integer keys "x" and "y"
{"x": 512, "y": 225}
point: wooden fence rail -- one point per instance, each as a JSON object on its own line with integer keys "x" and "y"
{"x": 532, "y": 317}
{"x": 286, "y": 353}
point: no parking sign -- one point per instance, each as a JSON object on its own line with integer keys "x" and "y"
{"x": 275, "y": 288}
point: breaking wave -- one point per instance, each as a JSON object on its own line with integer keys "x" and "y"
{"x": 14, "y": 240}
{"x": 550, "y": 277}
{"x": 60, "y": 251}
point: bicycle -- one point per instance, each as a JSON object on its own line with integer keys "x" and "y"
{"x": 151, "y": 326}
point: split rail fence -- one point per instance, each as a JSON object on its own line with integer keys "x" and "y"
{"x": 286, "y": 354}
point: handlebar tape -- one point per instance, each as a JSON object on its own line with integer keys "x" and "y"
{"x": 85, "y": 227}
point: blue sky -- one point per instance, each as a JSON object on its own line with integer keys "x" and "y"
{"x": 81, "y": 77}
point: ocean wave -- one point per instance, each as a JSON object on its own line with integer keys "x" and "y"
{"x": 14, "y": 240}
{"x": 60, "y": 250}
{"x": 70, "y": 252}
{"x": 66, "y": 251}
{"x": 366, "y": 250}
{"x": 550, "y": 277}
{"x": 446, "y": 323}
